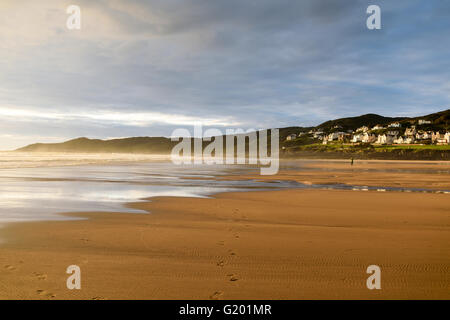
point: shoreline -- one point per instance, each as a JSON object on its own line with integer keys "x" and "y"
{"x": 371, "y": 173}
{"x": 118, "y": 158}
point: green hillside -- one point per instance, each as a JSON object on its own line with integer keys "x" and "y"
{"x": 356, "y": 122}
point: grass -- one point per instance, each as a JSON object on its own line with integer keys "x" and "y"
{"x": 350, "y": 147}
{"x": 414, "y": 147}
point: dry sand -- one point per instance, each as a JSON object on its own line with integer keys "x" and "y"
{"x": 291, "y": 244}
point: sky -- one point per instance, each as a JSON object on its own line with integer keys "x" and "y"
{"x": 145, "y": 68}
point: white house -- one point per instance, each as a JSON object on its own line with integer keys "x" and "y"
{"x": 422, "y": 121}
{"x": 334, "y": 136}
{"x": 395, "y": 125}
{"x": 410, "y": 131}
{"x": 399, "y": 140}
{"x": 378, "y": 127}
{"x": 318, "y": 134}
{"x": 357, "y": 138}
{"x": 438, "y": 136}
{"x": 404, "y": 140}
{"x": 392, "y": 133}
{"x": 368, "y": 138}
{"x": 362, "y": 129}
{"x": 442, "y": 139}
{"x": 385, "y": 139}
{"x": 409, "y": 140}
{"x": 291, "y": 137}
{"x": 423, "y": 136}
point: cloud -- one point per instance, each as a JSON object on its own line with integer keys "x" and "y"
{"x": 147, "y": 67}
{"x": 140, "y": 119}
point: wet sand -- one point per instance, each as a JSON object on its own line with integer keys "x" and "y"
{"x": 431, "y": 175}
{"x": 290, "y": 244}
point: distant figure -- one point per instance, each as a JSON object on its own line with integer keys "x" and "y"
{"x": 352, "y": 162}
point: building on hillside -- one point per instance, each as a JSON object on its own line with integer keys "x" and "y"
{"x": 409, "y": 140}
{"x": 378, "y": 127}
{"x": 399, "y": 140}
{"x": 357, "y": 138}
{"x": 362, "y": 129}
{"x": 410, "y": 131}
{"x": 395, "y": 125}
{"x": 392, "y": 133}
{"x": 335, "y": 136}
{"x": 441, "y": 138}
{"x": 368, "y": 138}
{"x": 435, "y": 136}
{"x": 423, "y": 121}
{"x": 385, "y": 139}
{"x": 423, "y": 136}
{"x": 344, "y": 136}
{"x": 404, "y": 140}
{"x": 318, "y": 134}
{"x": 291, "y": 137}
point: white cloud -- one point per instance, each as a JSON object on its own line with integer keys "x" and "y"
{"x": 139, "y": 119}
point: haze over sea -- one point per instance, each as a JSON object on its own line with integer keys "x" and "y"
{"x": 38, "y": 186}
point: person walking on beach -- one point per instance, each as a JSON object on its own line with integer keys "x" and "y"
{"x": 352, "y": 161}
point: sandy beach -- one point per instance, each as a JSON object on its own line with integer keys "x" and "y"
{"x": 289, "y": 244}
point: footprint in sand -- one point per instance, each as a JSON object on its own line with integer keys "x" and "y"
{"x": 10, "y": 267}
{"x": 221, "y": 243}
{"x": 232, "y": 253}
{"x": 45, "y": 293}
{"x": 220, "y": 263}
{"x": 232, "y": 277}
{"x": 40, "y": 276}
{"x": 216, "y": 295}
{"x": 99, "y": 298}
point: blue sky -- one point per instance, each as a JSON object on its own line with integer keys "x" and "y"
{"x": 144, "y": 68}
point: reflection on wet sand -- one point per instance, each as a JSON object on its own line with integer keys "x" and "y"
{"x": 40, "y": 193}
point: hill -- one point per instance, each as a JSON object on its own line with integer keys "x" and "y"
{"x": 162, "y": 145}
{"x": 353, "y": 123}
{"x": 440, "y": 119}
{"x": 157, "y": 145}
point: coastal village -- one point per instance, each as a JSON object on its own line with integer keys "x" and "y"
{"x": 391, "y": 134}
